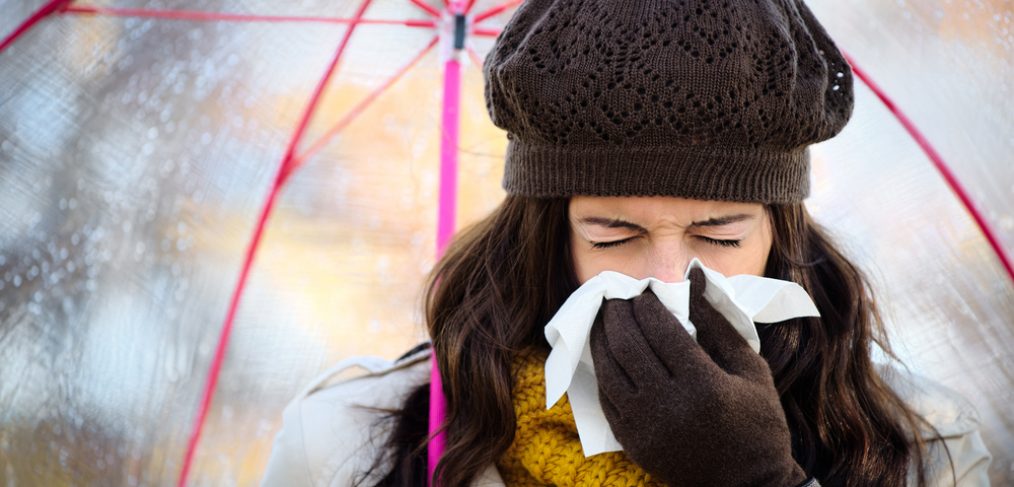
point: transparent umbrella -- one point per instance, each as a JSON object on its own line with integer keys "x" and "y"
{"x": 204, "y": 203}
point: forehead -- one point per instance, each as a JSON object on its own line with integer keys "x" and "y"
{"x": 646, "y": 209}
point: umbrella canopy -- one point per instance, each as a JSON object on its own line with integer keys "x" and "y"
{"x": 145, "y": 145}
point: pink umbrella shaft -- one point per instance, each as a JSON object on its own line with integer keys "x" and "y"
{"x": 445, "y": 228}
{"x": 438, "y": 410}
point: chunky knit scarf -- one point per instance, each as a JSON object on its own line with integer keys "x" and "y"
{"x": 546, "y": 449}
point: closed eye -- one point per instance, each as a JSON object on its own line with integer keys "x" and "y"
{"x": 721, "y": 243}
{"x": 614, "y": 243}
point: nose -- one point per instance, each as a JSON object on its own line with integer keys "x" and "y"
{"x": 668, "y": 262}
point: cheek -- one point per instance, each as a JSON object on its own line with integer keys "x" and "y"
{"x": 588, "y": 262}
{"x": 749, "y": 259}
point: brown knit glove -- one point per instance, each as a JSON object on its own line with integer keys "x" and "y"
{"x": 690, "y": 414}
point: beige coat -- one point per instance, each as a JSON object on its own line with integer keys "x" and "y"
{"x": 327, "y": 439}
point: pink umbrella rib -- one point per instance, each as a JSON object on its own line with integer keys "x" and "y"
{"x": 474, "y": 56}
{"x": 46, "y": 10}
{"x": 195, "y": 15}
{"x": 360, "y": 107}
{"x": 280, "y": 179}
{"x": 427, "y": 7}
{"x": 495, "y": 10}
{"x": 939, "y": 164}
{"x": 485, "y": 32}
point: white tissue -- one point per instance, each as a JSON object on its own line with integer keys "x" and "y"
{"x": 742, "y": 299}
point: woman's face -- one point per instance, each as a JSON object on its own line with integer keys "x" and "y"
{"x": 657, "y": 236}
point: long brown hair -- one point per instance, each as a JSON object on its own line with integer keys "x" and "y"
{"x": 504, "y": 277}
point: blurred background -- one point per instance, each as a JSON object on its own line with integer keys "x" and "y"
{"x": 136, "y": 153}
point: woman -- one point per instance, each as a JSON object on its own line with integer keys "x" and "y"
{"x": 643, "y": 135}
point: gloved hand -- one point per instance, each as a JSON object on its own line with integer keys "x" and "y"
{"x": 690, "y": 414}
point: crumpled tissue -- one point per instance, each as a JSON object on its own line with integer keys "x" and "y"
{"x": 742, "y": 299}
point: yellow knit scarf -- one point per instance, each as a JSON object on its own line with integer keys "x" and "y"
{"x": 546, "y": 449}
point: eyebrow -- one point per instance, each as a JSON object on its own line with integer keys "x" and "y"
{"x": 618, "y": 223}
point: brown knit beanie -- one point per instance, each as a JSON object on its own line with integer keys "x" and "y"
{"x": 696, "y": 98}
